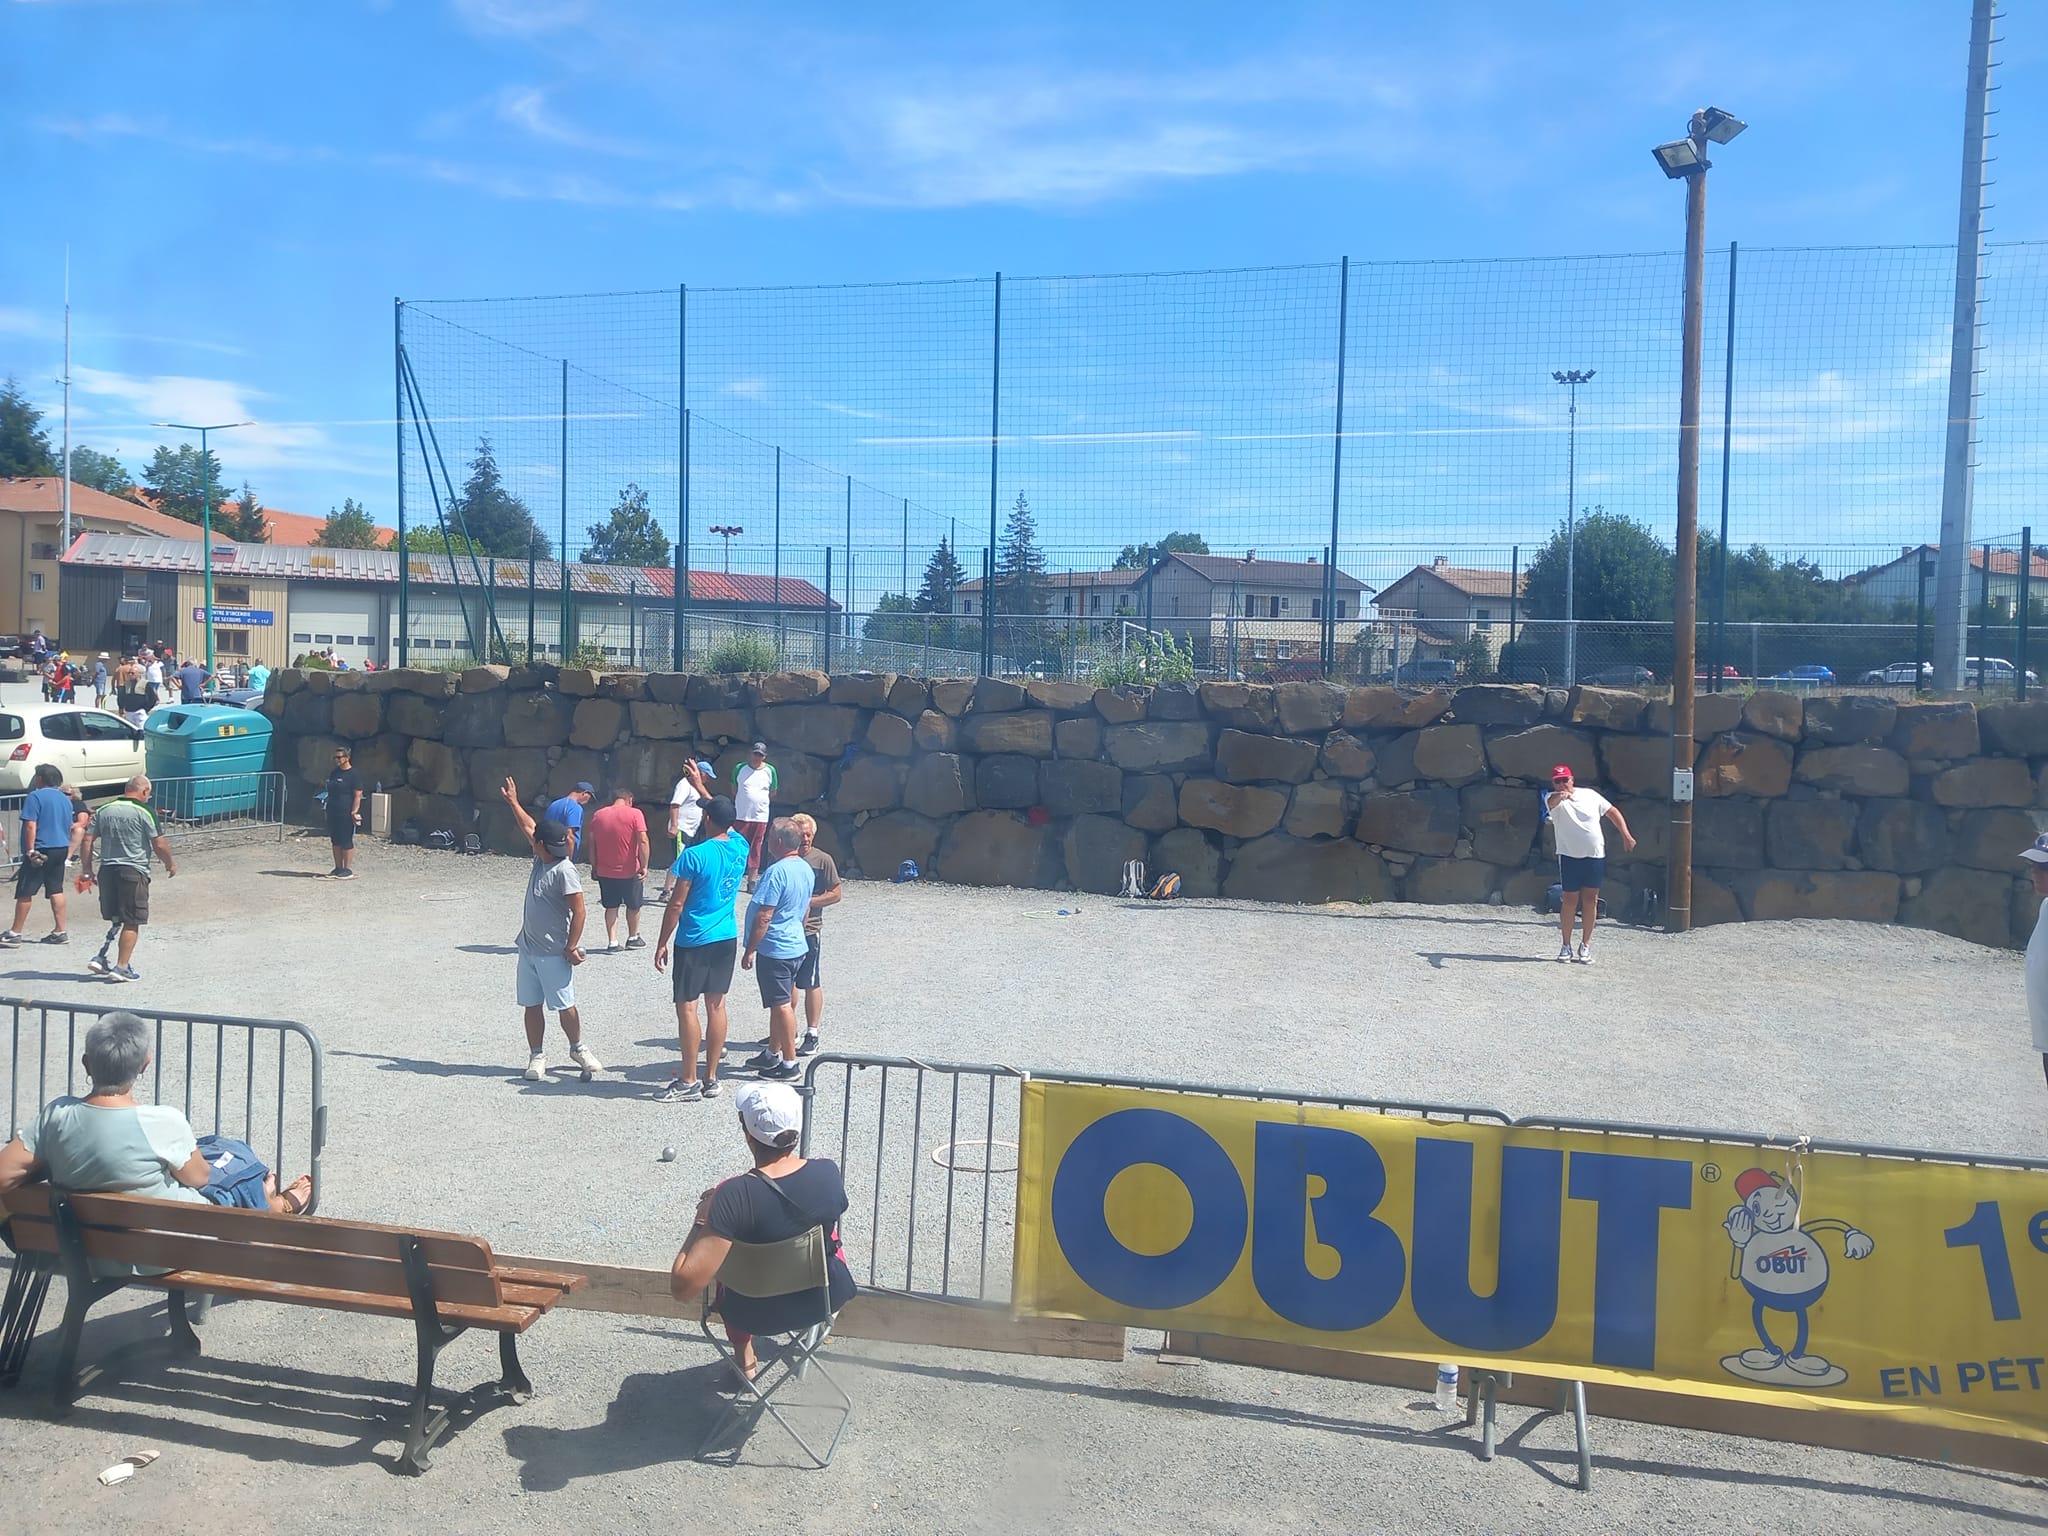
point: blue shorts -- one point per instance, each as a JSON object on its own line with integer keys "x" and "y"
{"x": 546, "y": 981}
{"x": 1580, "y": 874}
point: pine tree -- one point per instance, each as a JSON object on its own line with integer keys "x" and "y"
{"x": 630, "y": 537}
{"x": 242, "y": 520}
{"x": 496, "y": 519}
{"x": 943, "y": 575}
{"x": 178, "y": 479}
{"x": 1020, "y": 565}
{"x": 349, "y": 528}
{"x": 24, "y": 445}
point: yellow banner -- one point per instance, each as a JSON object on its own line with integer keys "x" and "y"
{"x": 1817, "y": 1279}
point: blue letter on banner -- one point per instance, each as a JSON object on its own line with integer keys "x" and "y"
{"x": 1215, "y": 1238}
{"x": 1524, "y": 1300}
{"x": 1372, "y": 1268}
{"x": 1631, "y": 1192}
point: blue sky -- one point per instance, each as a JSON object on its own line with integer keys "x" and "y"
{"x": 246, "y": 186}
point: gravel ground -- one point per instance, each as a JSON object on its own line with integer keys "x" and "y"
{"x": 1830, "y": 1029}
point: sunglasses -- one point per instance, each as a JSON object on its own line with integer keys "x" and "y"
{"x": 1560, "y": 781}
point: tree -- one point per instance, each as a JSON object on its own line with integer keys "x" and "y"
{"x": 349, "y": 528}
{"x": 101, "y": 471}
{"x": 631, "y": 537}
{"x": 1138, "y": 557}
{"x": 243, "y": 520}
{"x": 906, "y": 621}
{"x": 24, "y": 445}
{"x": 943, "y": 576}
{"x": 1620, "y": 572}
{"x": 177, "y": 478}
{"x": 496, "y": 519}
{"x": 1020, "y": 565}
{"x": 427, "y": 540}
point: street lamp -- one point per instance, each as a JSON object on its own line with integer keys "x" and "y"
{"x": 728, "y": 532}
{"x": 1572, "y": 378}
{"x": 205, "y": 513}
{"x": 1686, "y": 160}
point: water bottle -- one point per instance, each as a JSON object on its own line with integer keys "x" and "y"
{"x": 1446, "y": 1389}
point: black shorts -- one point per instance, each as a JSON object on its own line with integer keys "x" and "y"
{"x": 1580, "y": 874}
{"x": 808, "y": 974}
{"x": 341, "y": 831}
{"x": 777, "y": 978}
{"x": 616, "y": 891}
{"x": 124, "y": 895}
{"x": 44, "y": 877}
{"x": 704, "y": 970}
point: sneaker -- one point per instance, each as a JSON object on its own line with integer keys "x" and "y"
{"x": 636, "y": 942}
{"x": 580, "y": 1054}
{"x": 761, "y": 1061}
{"x": 9, "y": 939}
{"x": 782, "y": 1071}
{"x": 344, "y": 874}
{"x": 1564, "y": 954}
{"x": 611, "y": 946}
{"x": 1585, "y": 955}
{"x": 680, "y": 1092}
{"x": 809, "y": 1044}
{"x": 536, "y": 1067}
{"x": 98, "y": 965}
{"x": 124, "y": 973}
{"x": 334, "y": 873}
{"x": 711, "y": 1088}
{"x": 56, "y": 936}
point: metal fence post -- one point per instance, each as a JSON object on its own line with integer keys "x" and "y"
{"x": 562, "y": 554}
{"x": 995, "y": 417}
{"x": 1514, "y": 599}
{"x": 532, "y": 571}
{"x": 828, "y": 602}
{"x": 778, "y": 552}
{"x": 1727, "y": 440}
{"x": 1983, "y": 623}
{"x": 398, "y": 415}
{"x": 2024, "y": 615}
{"x": 1329, "y": 639}
{"x": 1920, "y": 621}
{"x": 682, "y": 592}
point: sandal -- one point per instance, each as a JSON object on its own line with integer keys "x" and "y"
{"x": 297, "y": 1195}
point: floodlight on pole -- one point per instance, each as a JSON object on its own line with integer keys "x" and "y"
{"x": 205, "y": 513}
{"x": 1708, "y": 125}
{"x": 1572, "y": 378}
{"x": 728, "y": 532}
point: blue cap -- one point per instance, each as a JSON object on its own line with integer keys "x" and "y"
{"x": 905, "y": 871}
{"x": 584, "y": 786}
{"x": 706, "y": 769}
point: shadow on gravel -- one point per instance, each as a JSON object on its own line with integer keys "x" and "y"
{"x": 81, "y": 974}
{"x": 1378, "y": 913}
{"x": 1454, "y": 1435}
{"x": 294, "y": 874}
{"x": 1436, "y": 958}
{"x": 657, "y": 1418}
{"x": 638, "y": 1081}
{"x": 487, "y": 949}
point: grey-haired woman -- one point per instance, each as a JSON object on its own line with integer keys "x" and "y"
{"x": 106, "y": 1143}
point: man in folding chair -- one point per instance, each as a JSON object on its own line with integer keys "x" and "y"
{"x": 769, "y": 1238}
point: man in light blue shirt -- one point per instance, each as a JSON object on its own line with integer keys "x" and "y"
{"x": 775, "y": 932}
{"x": 700, "y": 916}
{"x": 47, "y": 818}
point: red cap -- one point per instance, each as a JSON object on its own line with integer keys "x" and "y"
{"x": 1749, "y": 1182}
{"x": 1561, "y": 771}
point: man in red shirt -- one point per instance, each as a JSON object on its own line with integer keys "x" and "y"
{"x": 618, "y": 857}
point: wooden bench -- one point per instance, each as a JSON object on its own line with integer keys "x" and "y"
{"x": 447, "y": 1284}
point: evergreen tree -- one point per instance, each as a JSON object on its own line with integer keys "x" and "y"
{"x": 101, "y": 471}
{"x": 1137, "y": 557}
{"x": 630, "y": 537}
{"x": 496, "y": 519}
{"x": 24, "y": 445}
{"x": 242, "y": 520}
{"x": 177, "y": 479}
{"x": 349, "y": 528}
{"x": 1020, "y": 565}
{"x": 426, "y": 539}
{"x": 943, "y": 575}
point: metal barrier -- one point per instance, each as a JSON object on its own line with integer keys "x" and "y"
{"x": 218, "y": 1071}
{"x": 1773, "y": 1141}
{"x": 879, "y": 1132}
{"x": 210, "y": 809}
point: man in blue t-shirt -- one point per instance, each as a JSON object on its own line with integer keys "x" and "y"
{"x": 701, "y": 920}
{"x": 775, "y": 932}
{"x": 47, "y": 817}
{"x": 569, "y": 812}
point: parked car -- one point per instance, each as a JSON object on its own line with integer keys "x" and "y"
{"x": 1621, "y": 677}
{"x": 1424, "y": 670}
{"x": 1730, "y": 673}
{"x": 95, "y": 749}
{"x": 1901, "y": 674}
{"x": 1808, "y": 675}
{"x": 1996, "y": 670}
{"x": 13, "y": 647}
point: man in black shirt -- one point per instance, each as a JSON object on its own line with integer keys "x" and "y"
{"x": 782, "y": 1194}
{"x": 344, "y": 812}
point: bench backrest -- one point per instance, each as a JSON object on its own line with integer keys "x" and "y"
{"x": 315, "y": 1251}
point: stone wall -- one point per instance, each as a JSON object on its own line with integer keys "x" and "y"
{"x": 1855, "y": 807}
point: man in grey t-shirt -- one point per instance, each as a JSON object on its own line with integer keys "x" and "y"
{"x": 550, "y": 941}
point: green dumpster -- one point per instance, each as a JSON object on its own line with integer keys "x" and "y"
{"x": 206, "y": 760}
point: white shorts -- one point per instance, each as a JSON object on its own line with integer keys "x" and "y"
{"x": 546, "y": 981}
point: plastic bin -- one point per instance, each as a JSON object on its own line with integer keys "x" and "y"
{"x": 206, "y": 759}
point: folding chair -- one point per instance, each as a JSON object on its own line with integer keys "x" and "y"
{"x": 759, "y": 1271}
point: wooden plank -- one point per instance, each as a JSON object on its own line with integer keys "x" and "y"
{"x": 870, "y": 1315}
{"x": 324, "y": 1234}
{"x": 283, "y": 1266}
{"x": 500, "y": 1319}
{"x": 1841, "y": 1429}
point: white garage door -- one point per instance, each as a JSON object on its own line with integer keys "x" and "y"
{"x": 343, "y": 621}
{"x": 438, "y": 631}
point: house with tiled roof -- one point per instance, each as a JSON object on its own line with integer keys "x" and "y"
{"x": 274, "y": 602}
{"x": 32, "y": 540}
{"x": 1994, "y": 577}
{"x": 1441, "y": 604}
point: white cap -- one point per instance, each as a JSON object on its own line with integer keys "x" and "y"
{"x": 769, "y": 1111}
{"x": 2038, "y": 853}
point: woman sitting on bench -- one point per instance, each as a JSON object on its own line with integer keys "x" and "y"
{"x": 107, "y": 1144}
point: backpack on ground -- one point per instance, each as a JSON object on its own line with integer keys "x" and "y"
{"x": 441, "y": 837}
{"x": 1134, "y": 879}
{"x": 1165, "y": 888}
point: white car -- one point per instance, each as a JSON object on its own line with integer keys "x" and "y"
{"x": 96, "y": 749}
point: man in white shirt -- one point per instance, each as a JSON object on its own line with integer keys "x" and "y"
{"x": 1575, "y": 816}
{"x": 753, "y": 790}
{"x": 685, "y": 814}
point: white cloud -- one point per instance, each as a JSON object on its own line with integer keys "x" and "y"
{"x": 117, "y": 413}
{"x": 526, "y": 108}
